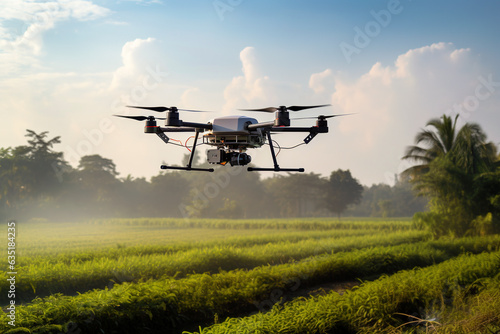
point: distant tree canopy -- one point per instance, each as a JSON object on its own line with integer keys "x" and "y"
{"x": 342, "y": 190}
{"x": 36, "y": 181}
{"x": 460, "y": 172}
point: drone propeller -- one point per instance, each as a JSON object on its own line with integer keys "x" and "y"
{"x": 322, "y": 117}
{"x": 160, "y": 109}
{"x": 140, "y": 118}
{"x": 292, "y": 108}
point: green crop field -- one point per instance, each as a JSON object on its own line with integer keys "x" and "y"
{"x": 248, "y": 276}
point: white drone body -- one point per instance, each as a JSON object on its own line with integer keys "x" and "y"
{"x": 232, "y": 132}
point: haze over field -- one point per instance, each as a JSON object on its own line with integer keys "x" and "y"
{"x": 67, "y": 66}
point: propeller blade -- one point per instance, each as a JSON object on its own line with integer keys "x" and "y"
{"x": 191, "y": 110}
{"x": 291, "y": 108}
{"x": 140, "y": 118}
{"x": 158, "y": 109}
{"x": 269, "y": 109}
{"x": 321, "y": 116}
{"x": 298, "y": 108}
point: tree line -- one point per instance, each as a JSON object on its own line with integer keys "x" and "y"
{"x": 36, "y": 182}
{"x": 456, "y": 176}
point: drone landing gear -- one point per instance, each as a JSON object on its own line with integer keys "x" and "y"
{"x": 188, "y": 167}
{"x": 276, "y": 168}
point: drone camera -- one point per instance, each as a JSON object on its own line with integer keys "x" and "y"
{"x": 222, "y": 157}
{"x": 239, "y": 159}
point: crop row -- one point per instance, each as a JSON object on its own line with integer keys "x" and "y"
{"x": 383, "y": 305}
{"x": 170, "y": 303}
{"x": 471, "y": 312}
{"x": 56, "y": 252}
{"x": 47, "y": 278}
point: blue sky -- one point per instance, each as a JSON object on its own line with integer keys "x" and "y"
{"x": 67, "y": 66}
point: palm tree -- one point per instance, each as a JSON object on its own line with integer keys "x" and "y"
{"x": 467, "y": 148}
{"x": 471, "y": 151}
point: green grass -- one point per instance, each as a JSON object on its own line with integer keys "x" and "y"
{"x": 166, "y": 275}
{"x": 56, "y": 272}
{"x": 373, "y": 307}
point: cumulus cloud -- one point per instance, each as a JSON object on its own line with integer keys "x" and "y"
{"x": 255, "y": 89}
{"x": 139, "y": 58}
{"x": 321, "y": 82}
{"x": 251, "y": 88}
{"x": 23, "y": 23}
{"x": 393, "y": 102}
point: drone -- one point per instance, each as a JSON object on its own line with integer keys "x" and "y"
{"x": 231, "y": 136}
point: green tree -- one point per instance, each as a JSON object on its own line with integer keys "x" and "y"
{"x": 438, "y": 141}
{"x": 341, "y": 191}
{"x": 403, "y": 198}
{"x": 13, "y": 182}
{"x": 41, "y": 162}
{"x": 135, "y": 198}
{"x": 467, "y": 148}
{"x": 453, "y": 166}
{"x": 295, "y": 195}
{"x": 209, "y": 193}
{"x": 30, "y": 175}
{"x": 168, "y": 192}
{"x": 96, "y": 185}
{"x": 386, "y": 208}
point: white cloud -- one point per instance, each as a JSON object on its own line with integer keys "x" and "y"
{"x": 255, "y": 89}
{"x": 393, "y": 102}
{"x": 139, "y": 57}
{"x": 79, "y": 106}
{"x": 23, "y": 24}
{"x": 321, "y": 82}
{"x": 251, "y": 88}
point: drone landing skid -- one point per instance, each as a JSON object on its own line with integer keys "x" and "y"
{"x": 187, "y": 168}
{"x": 252, "y": 169}
{"x": 276, "y": 168}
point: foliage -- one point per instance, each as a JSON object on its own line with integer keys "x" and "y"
{"x": 36, "y": 182}
{"x": 378, "y": 306}
{"x": 342, "y": 190}
{"x": 297, "y": 195}
{"x": 439, "y": 141}
{"x": 28, "y": 172}
{"x": 383, "y": 200}
{"x": 459, "y": 173}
